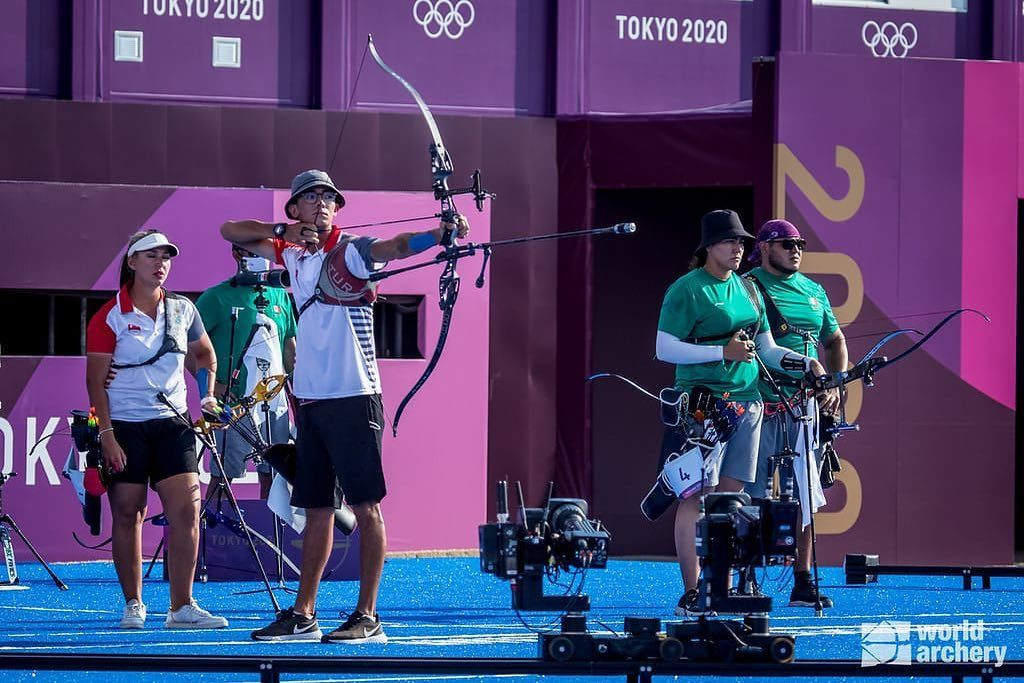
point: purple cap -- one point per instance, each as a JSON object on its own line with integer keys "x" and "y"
{"x": 776, "y": 229}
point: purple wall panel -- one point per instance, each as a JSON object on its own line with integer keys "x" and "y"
{"x": 887, "y": 33}
{"x": 638, "y": 56}
{"x": 33, "y": 47}
{"x": 898, "y": 214}
{"x": 1006, "y": 30}
{"x": 1020, "y": 138}
{"x": 872, "y": 132}
{"x": 464, "y": 56}
{"x": 929, "y": 182}
{"x": 278, "y": 51}
{"x": 990, "y": 200}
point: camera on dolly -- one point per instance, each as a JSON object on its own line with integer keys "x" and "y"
{"x": 735, "y": 533}
{"x": 556, "y": 537}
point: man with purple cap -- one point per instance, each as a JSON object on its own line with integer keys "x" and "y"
{"x": 801, "y": 318}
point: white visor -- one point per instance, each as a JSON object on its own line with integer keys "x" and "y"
{"x": 152, "y": 241}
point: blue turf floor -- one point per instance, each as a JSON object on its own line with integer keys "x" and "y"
{"x": 444, "y": 607}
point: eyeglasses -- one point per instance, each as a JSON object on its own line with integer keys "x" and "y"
{"x": 312, "y": 197}
{"x": 789, "y": 244}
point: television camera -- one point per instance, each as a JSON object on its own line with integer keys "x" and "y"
{"x": 257, "y": 272}
{"x": 557, "y": 537}
{"x": 737, "y": 533}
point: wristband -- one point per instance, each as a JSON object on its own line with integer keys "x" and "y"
{"x": 104, "y": 431}
{"x": 203, "y": 381}
{"x": 279, "y": 230}
{"x": 422, "y": 241}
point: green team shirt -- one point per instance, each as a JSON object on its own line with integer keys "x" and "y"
{"x": 699, "y": 305}
{"x": 215, "y": 306}
{"x": 804, "y": 304}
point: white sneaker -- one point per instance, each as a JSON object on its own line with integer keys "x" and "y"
{"x": 193, "y": 616}
{"x": 134, "y": 615}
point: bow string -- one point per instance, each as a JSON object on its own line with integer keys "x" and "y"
{"x": 441, "y": 168}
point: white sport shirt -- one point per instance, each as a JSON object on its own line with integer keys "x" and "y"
{"x": 131, "y": 336}
{"x": 334, "y": 351}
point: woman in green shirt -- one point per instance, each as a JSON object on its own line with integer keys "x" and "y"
{"x": 711, "y": 326}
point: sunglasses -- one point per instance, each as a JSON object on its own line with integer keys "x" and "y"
{"x": 312, "y": 197}
{"x": 789, "y": 244}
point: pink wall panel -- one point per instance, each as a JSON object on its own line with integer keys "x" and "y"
{"x": 440, "y": 453}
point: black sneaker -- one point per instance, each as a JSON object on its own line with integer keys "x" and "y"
{"x": 688, "y": 606}
{"x": 358, "y": 628}
{"x": 290, "y": 626}
{"x": 804, "y": 595}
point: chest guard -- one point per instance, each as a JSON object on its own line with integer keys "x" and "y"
{"x": 336, "y": 285}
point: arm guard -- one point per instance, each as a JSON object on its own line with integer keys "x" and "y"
{"x": 671, "y": 349}
{"x": 779, "y": 358}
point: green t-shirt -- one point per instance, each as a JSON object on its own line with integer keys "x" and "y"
{"x": 699, "y": 305}
{"x": 804, "y": 304}
{"x": 215, "y": 306}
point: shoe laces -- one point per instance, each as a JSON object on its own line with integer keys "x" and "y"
{"x": 134, "y": 608}
{"x": 194, "y": 608}
{"x": 290, "y": 613}
{"x": 353, "y": 618}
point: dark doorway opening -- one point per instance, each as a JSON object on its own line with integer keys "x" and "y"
{"x": 630, "y": 278}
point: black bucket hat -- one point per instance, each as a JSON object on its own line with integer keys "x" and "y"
{"x": 721, "y": 224}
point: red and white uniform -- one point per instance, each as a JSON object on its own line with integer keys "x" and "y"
{"x": 334, "y": 351}
{"x": 119, "y": 328}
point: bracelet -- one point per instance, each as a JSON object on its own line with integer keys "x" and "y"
{"x": 103, "y": 431}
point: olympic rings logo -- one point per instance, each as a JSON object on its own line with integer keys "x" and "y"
{"x": 443, "y": 16}
{"x": 889, "y": 40}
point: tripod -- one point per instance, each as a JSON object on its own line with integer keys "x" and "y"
{"x": 247, "y": 533}
{"x": 785, "y": 459}
{"x": 263, "y": 394}
{"x": 7, "y": 524}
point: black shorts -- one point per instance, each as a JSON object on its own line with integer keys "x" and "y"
{"x": 339, "y": 439}
{"x": 154, "y": 450}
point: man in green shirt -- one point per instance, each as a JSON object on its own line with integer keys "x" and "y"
{"x": 711, "y": 325}
{"x": 801, "y": 318}
{"x": 258, "y": 343}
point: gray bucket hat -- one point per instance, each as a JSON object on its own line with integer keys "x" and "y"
{"x": 307, "y": 180}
